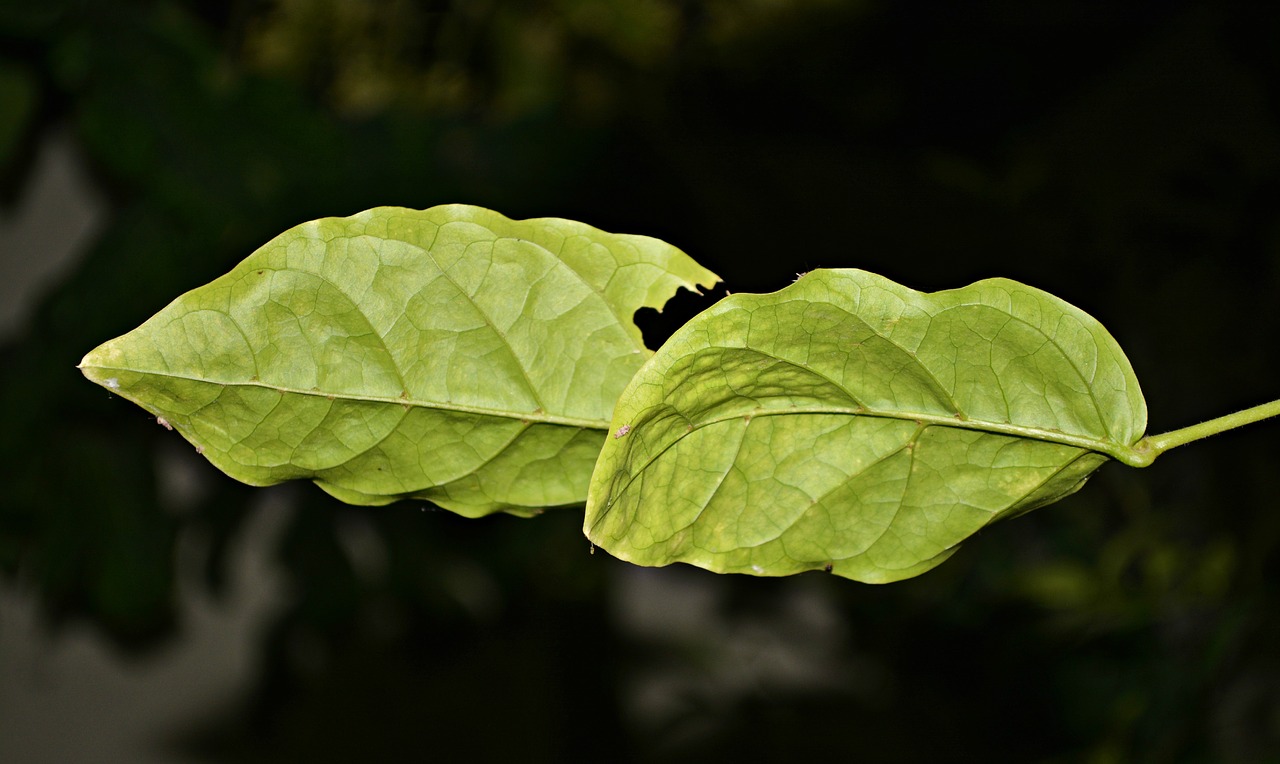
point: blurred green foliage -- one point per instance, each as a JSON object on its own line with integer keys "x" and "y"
{"x": 1125, "y": 157}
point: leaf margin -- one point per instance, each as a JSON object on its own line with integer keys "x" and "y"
{"x": 571, "y": 243}
{"x": 631, "y": 415}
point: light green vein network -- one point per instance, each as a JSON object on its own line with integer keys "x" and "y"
{"x": 851, "y": 424}
{"x": 448, "y": 354}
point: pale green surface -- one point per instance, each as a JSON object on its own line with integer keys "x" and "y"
{"x": 448, "y": 354}
{"x": 852, "y": 422}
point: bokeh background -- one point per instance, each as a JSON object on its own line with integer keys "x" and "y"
{"x": 1124, "y": 156}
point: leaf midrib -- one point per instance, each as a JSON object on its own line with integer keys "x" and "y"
{"x": 1108, "y": 447}
{"x": 1114, "y": 449}
{"x": 539, "y": 417}
{"x": 1111, "y": 449}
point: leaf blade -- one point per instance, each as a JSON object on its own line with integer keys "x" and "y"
{"x": 398, "y": 353}
{"x": 872, "y": 427}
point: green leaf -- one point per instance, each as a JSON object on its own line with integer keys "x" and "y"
{"x": 448, "y": 354}
{"x": 851, "y": 424}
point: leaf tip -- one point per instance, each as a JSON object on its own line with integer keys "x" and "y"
{"x": 97, "y": 367}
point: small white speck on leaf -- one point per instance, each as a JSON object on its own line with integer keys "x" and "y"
{"x": 757, "y": 569}
{"x": 623, "y": 430}
{"x": 164, "y": 423}
{"x": 112, "y": 383}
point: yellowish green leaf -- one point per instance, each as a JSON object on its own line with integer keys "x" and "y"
{"x": 448, "y": 354}
{"x": 851, "y": 424}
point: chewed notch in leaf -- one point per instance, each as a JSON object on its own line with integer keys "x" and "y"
{"x": 448, "y": 354}
{"x": 849, "y": 424}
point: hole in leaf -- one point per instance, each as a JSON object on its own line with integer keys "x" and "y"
{"x": 656, "y": 327}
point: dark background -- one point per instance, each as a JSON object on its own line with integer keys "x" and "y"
{"x": 1124, "y": 156}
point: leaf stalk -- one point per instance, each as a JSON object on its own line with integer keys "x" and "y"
{"x": 1146, "y": 450}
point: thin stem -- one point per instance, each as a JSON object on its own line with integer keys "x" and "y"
{"x": 1147, "y": 449}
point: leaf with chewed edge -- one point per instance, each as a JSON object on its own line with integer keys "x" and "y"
{"x": 448, "y": 354}
{"x": 850, "y": 424}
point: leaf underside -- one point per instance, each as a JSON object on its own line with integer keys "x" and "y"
{"x": 448, "y": 354}
{"x": 848, "y": 423}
